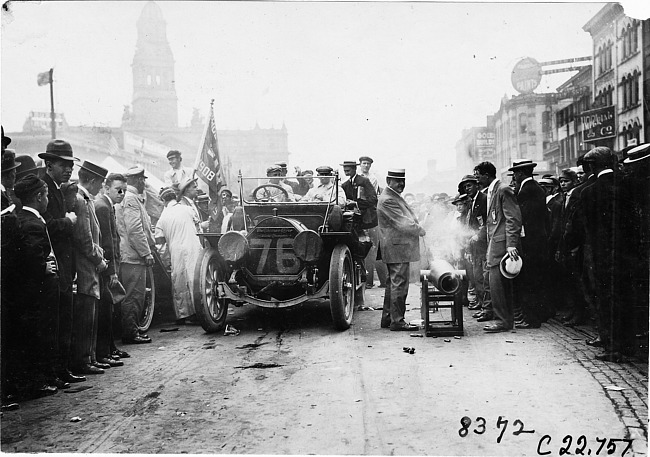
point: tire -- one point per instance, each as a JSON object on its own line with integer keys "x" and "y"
{"x": 211, "y": 311}
{"x": 341, "y": 287}
{"x": 144, "y": 322}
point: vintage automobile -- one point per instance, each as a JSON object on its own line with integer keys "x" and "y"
{"x": 280, "y": 254}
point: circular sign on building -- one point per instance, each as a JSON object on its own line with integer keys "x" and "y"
{"x": 526, "y": 75}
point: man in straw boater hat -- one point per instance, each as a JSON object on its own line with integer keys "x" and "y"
{"x": 136, "y": 241}
{"x": 90, "y": 262}
{"x": 532, "y": 282}
{"x": 399, "y": 244}
{"x": 503, "y": 231}
{"x": 59, "y": 162}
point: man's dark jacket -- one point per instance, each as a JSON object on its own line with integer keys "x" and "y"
{"x": 360, "y": 189}
{"x": 60, "y": 229}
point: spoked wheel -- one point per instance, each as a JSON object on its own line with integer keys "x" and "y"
{"x": 210, "y": 309}
{"x": 341, "y": 287}
{"x": 149, "y": 302}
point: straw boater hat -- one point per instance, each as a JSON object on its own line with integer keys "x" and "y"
{"x": 349, "y": 163}
{"x": 639, "y": 153}
{"x": 396, "y": 173}
{"x": 95, "y": 169}
{"x": 58, "y": 149}
{"x": 510, "y": 268}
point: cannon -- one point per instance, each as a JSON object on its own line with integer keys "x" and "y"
{"x": 441, "y": 290}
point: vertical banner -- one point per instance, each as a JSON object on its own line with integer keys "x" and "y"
{"x": 208, "y": 163}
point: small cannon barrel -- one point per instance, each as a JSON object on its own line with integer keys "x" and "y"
{"x": 443, "y": 276}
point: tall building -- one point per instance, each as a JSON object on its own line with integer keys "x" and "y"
{"x": 525, "y": 127}
{"x": 618, "y": 89}
{"x": 476, "y": 145}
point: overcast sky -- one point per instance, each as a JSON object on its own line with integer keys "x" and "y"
{"x": 397, "y": 81}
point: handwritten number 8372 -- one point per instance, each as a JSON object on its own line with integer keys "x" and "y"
{"x": 502, "y": 424}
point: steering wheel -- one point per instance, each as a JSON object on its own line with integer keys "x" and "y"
{"x": 268, "y": 192}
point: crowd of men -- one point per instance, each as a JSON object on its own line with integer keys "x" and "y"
{"x": 75, "y": 255}
{"x": 574, "y": 245}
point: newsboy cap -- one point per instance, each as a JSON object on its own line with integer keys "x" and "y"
{"x": 396, "y": 173}
{"x": 28, "y": 185}
{"x": 58, "y": 149}
{"x": 273, "y": 169}
{"x": 173, "y": 153}
{"x": 135, "y": 170}
{"x": 365, "y": 159}
{"x": 167, "y": 192}
{"x": 96, "y": 169}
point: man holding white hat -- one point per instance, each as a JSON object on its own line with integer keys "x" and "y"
{"x": 399, "y": 244}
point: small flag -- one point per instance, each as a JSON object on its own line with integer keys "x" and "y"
{"x": 44, "y": 78}
{"x": 208, "y": 163}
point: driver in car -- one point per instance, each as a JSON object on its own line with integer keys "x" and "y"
{"x": 325, "y": 191}
{"x": 274, "y": 173}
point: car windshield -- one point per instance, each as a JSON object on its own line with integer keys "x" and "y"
{"x": 288, "y": 190}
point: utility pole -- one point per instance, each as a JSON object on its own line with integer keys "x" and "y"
{"x": 52, "y": 115}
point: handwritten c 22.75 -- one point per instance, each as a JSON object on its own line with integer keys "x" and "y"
{"x": 600, "y": 446}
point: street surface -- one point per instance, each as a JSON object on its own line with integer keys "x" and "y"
{"x": 290, "y": 384}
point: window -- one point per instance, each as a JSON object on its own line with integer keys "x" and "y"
{"x": 148, "y": 80}
{"x": 630, "y": 90}
{"x": 523, "y": 123}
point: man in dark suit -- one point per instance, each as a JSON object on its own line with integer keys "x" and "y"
{"x": 90, "y": 262}
{"x": 478, "y": 243}
{"x": 37, "y": 315}
{"x": 605, "y": 204}
{"x": 503, "y": 231}
{"x": 554, "y": 207}
{"x": 59, "y": 161}
{"x": 532, "y": 281}
{"x": 114, "y": 189}
{"x": 399, "y": 244}
{"x": 359, "y": 189}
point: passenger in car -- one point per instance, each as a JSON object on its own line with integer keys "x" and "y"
{"x": 325, "y": 191}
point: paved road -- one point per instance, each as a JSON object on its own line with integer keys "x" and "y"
{"x": 290, "y": 384}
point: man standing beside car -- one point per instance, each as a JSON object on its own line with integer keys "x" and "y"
{"x": 399, "y": 244}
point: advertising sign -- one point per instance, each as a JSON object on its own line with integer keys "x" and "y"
{"x": 526, "y": 75}
{"x": 598, "y": 124}
{"x": 485, "y": 142}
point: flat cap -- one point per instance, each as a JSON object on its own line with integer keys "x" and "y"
{"x": 459, "y": 198}
{"x": 167, "y": 192}
{"x": 173, "y": 153}
{"x": 273, "y": 169}
{"x": 135, "y": 170}
{"x": 365, "y": 159}
{"x": 281, "y": 163}
{"x": 28, "y": 185}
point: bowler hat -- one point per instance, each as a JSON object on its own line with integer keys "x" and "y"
{"x": 5, "y": 139}
{"x": 173, "y": 153}
{"x": 510, "y": 268}
{"x": 58, "y": 149}
{"x": 96, "y": 169}
{"x": 135, "y": 170}
{"x": 396, "y": 173}
{"x": 183, "y": 185}
{"x": 638, "y": 153}
{"x": 27, "y": 166}
{"x": 349, "y": 163}
{"x": 9, "y": 161}
{"x": 325, "y": 171}
{"x": 365, "y": 159}
{"x": 468, "y": 178}
{"x": 523, "y": 165}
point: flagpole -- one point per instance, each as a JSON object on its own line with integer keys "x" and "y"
{"x": 52, "y": 115}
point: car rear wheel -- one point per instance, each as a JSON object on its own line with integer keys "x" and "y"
{"x": 211, "y": 311}
{"x": 341, "y": 287}
{"x": 146, "y": 317}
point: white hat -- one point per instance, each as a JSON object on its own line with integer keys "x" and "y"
{"x": 510, "y": 268}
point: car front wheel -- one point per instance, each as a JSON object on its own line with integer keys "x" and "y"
{"x": 211, "y": 310}
{"x": 341, "y": 287}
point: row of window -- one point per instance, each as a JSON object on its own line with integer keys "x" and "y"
{"x": 629, "y": 40}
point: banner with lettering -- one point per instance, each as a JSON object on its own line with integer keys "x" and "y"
{"x": 598, "y": 124}
{"x": 208, "y": 164}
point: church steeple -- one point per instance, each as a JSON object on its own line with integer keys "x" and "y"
{"x": 155, "y": 104}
